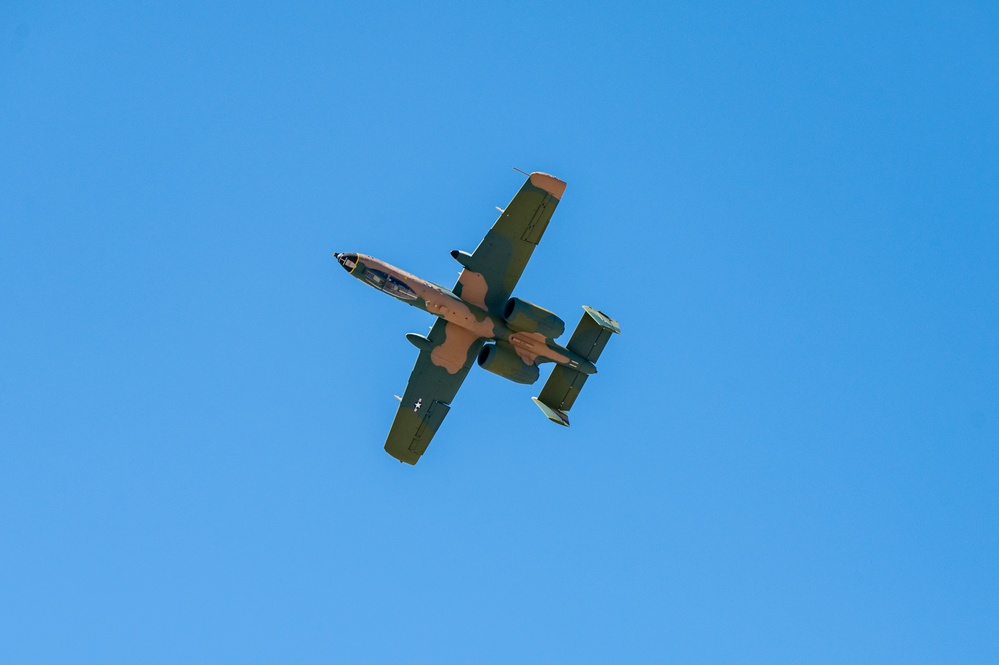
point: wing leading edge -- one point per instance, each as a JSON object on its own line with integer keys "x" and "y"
{"x": 440, "y": 370}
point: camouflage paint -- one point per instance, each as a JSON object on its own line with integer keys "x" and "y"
{"x": 470, "y": 314}
{"x": 462, "y": 314}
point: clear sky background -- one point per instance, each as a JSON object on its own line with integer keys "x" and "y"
{"x": 790, "y": 455}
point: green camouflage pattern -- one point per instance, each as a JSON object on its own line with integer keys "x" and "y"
{"x": 478, "y": 310}
{"x": 493, "y": 269}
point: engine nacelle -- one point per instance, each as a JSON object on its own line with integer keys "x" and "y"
{"x": 522, "y": 316}
{"x": 501, "y": 359}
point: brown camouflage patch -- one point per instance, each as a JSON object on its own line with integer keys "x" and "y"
{"x": 531, "y": 345}
{"x": 438, "y": 302}
{"x": 452, "y": 354}
{"x": 549, "y": 183}
{"x": 473, "y": 287}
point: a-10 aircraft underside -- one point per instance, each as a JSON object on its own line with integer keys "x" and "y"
{"x": 478, "y": 321}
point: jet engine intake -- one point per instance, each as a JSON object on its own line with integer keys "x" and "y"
{"x": 501, "y": 359}
{"x": 522, "y": 316}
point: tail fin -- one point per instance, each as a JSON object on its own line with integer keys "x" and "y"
{"x": 563, "y": 386}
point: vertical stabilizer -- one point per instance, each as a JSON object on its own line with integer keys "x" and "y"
{"x": 563, "y": 386}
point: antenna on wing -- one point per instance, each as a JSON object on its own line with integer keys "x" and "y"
{"x": 519, "y": 171}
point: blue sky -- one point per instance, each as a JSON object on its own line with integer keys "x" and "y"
{"x": 789, "y": 455}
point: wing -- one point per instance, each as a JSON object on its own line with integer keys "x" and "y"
{"x": 440, "y": 369}
{"x": 492, "y": 270}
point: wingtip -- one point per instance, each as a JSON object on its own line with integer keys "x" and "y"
{"x": 549, "y": 183}
{"x": 404, "y": 456}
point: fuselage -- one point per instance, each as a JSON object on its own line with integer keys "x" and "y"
{"x": 442, "y": 302}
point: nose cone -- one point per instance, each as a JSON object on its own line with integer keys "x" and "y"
{"x": 348, "y": 261}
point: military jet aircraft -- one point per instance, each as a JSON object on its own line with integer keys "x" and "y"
{"x": 478, "y": 320}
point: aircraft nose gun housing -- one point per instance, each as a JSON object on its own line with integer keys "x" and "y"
{"x": 501, "y": 359}
{"x": 348, "y": 261}
{"x": 523, "y": 316}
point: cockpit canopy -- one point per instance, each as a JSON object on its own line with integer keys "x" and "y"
{"x": 391, "y": 285}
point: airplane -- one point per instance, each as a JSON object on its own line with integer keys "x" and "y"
{"x": 479, "y": 321}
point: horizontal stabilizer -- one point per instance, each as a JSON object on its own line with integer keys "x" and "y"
{"x": 563, "y": 386}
